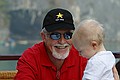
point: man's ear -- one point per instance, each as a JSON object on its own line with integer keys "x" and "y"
{"x": 94, "y": 44}
{"x": 43, "y": 36}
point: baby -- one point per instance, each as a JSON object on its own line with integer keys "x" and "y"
{"x": 88, "y": 40}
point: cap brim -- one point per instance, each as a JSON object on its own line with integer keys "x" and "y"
{"x": 54, "y": 27}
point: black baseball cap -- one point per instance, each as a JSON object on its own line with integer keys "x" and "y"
{"x": 58, "y": 19}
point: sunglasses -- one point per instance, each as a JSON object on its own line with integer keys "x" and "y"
{"x": 57, "y": 35}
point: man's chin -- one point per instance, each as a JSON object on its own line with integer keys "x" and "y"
{"x": 60, "y": 55}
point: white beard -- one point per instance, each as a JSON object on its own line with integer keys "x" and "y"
{"x": 60, "y": 55}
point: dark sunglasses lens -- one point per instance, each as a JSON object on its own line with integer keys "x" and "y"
{"x": 55, "y": 36}
{"x": 68, "y": 35}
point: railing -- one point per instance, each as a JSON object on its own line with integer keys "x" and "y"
{"x": 116, "y": 54}
{"x": 8, "y": 74}
{"x": 16, "y": 56}
{"x": 9, "y": 56}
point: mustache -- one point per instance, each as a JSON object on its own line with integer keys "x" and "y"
{"x": 62, "y": 45}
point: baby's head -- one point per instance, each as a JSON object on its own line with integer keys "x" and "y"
{"x": 88, "y": 37}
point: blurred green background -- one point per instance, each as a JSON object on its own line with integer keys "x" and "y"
{"x": 21, "y": 21}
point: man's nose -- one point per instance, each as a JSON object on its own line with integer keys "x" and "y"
{"x": 62, "y": 40}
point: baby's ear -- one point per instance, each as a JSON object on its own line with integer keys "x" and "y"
{"x": 94, "y": 44}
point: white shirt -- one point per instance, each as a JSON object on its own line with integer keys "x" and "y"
{"x": 99, "y": 67}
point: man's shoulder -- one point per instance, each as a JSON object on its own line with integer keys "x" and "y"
{"x": 36, "y": 46}
{"x": 35, "y": 49}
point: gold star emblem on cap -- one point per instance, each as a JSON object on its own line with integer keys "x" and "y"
{"x": 59, "y": 15}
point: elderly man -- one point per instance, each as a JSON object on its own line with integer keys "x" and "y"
{"x": 54, "y": 58}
